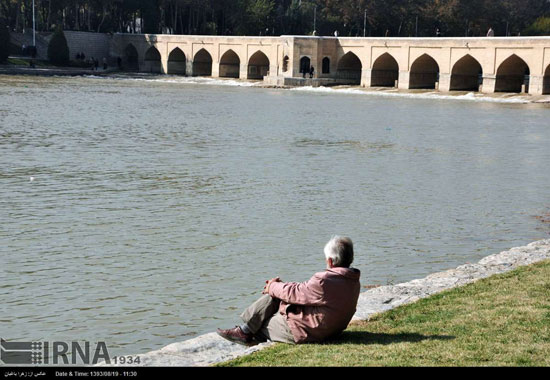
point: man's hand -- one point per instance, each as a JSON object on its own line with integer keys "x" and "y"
{"x": 268, "y": 282}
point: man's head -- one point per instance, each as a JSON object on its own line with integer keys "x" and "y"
{"x": 339, "y": 252}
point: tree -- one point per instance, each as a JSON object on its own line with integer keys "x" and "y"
{"x": 151, "y": 16}
{"x": 58, "y": 50}
{"x": 4, "y": 41}
{"x": 541, "y": 27}
{"x": 252, "y": 17}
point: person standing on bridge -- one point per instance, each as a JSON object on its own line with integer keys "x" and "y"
{"x": 490, "y": 32}
{"x": 304, "y": 312}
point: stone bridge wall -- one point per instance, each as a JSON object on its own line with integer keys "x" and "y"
{"x": 95, "y": 45}
{"x": 487, "y": 64}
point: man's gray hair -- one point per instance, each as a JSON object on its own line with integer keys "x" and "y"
{"x": 340, "y": 250}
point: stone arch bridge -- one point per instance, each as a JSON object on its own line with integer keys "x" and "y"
{"x": 487, "y": 64}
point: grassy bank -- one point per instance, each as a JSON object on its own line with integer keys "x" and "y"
{"x": 503, "y": 320}
{"x": 24, "y": 61}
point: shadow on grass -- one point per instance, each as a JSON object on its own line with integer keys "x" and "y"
{"x": 363, "y": 337}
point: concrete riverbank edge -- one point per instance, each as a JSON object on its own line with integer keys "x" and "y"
{"x": 209, "y": 348}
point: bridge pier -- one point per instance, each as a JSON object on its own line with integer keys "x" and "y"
{"x": 444, "y": 82}
{"x": 536, "y": 84}
{"x": 243, "y": 70}
{"x": 489, "y": 84}
{"x": 403, "y": 80}
{"x": 366, "y": 77}
{"x": 164, "y": 64}
{"x": 215, "y": 70}
{"x": 189, "y": 68}
{"x": 273, "y": 69}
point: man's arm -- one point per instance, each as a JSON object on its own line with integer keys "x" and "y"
{"x": 298, "y": 293}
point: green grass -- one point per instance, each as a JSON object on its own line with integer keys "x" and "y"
{"x": 17, "y": 61}
{"x": 503, "y": 320}
{"x": 24, "y": 62}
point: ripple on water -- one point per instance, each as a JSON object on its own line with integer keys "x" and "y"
{"x": 159, "y": 206}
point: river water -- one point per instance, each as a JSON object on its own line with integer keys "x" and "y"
{"x": 146, "y": 211}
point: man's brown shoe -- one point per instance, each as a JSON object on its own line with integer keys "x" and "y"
{"x": 237, "y": 335}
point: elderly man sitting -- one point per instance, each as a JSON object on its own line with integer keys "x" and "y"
{"x": 310, "y": 311}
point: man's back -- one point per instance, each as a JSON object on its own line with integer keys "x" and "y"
{"x": 320, "y": 307}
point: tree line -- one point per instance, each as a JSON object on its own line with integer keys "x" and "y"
{"x": 405, "y": 18}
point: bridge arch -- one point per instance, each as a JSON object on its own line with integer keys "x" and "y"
{"x": 512, "y": 74}
{"x": 202, "y": 63}
{"x": 325, "y": 66}
{"x": 466, "y": 74}
{"x": 130, "y": 58}
{"x": 349, "y": 68}
{"x": 385, "y": 71}
{"x": 546, "y": 81}
{"x": 305, "y": 65}
{"x": 177, "y": 62}
{"x": 285, "y": 64}
{"x": 230, "y": 65}
{"x": 152, "y": 60}
{"x": 258, "y": 65}
{"x": 424, "y": 72}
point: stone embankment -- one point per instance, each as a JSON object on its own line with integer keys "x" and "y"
{"x": 210, "y": 348}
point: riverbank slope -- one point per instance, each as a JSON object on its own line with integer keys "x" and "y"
{"x": 211, "y": 349}
{"x": 503, "y": 320}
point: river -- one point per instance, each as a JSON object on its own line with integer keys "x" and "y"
{"x": 144, "y": 211}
